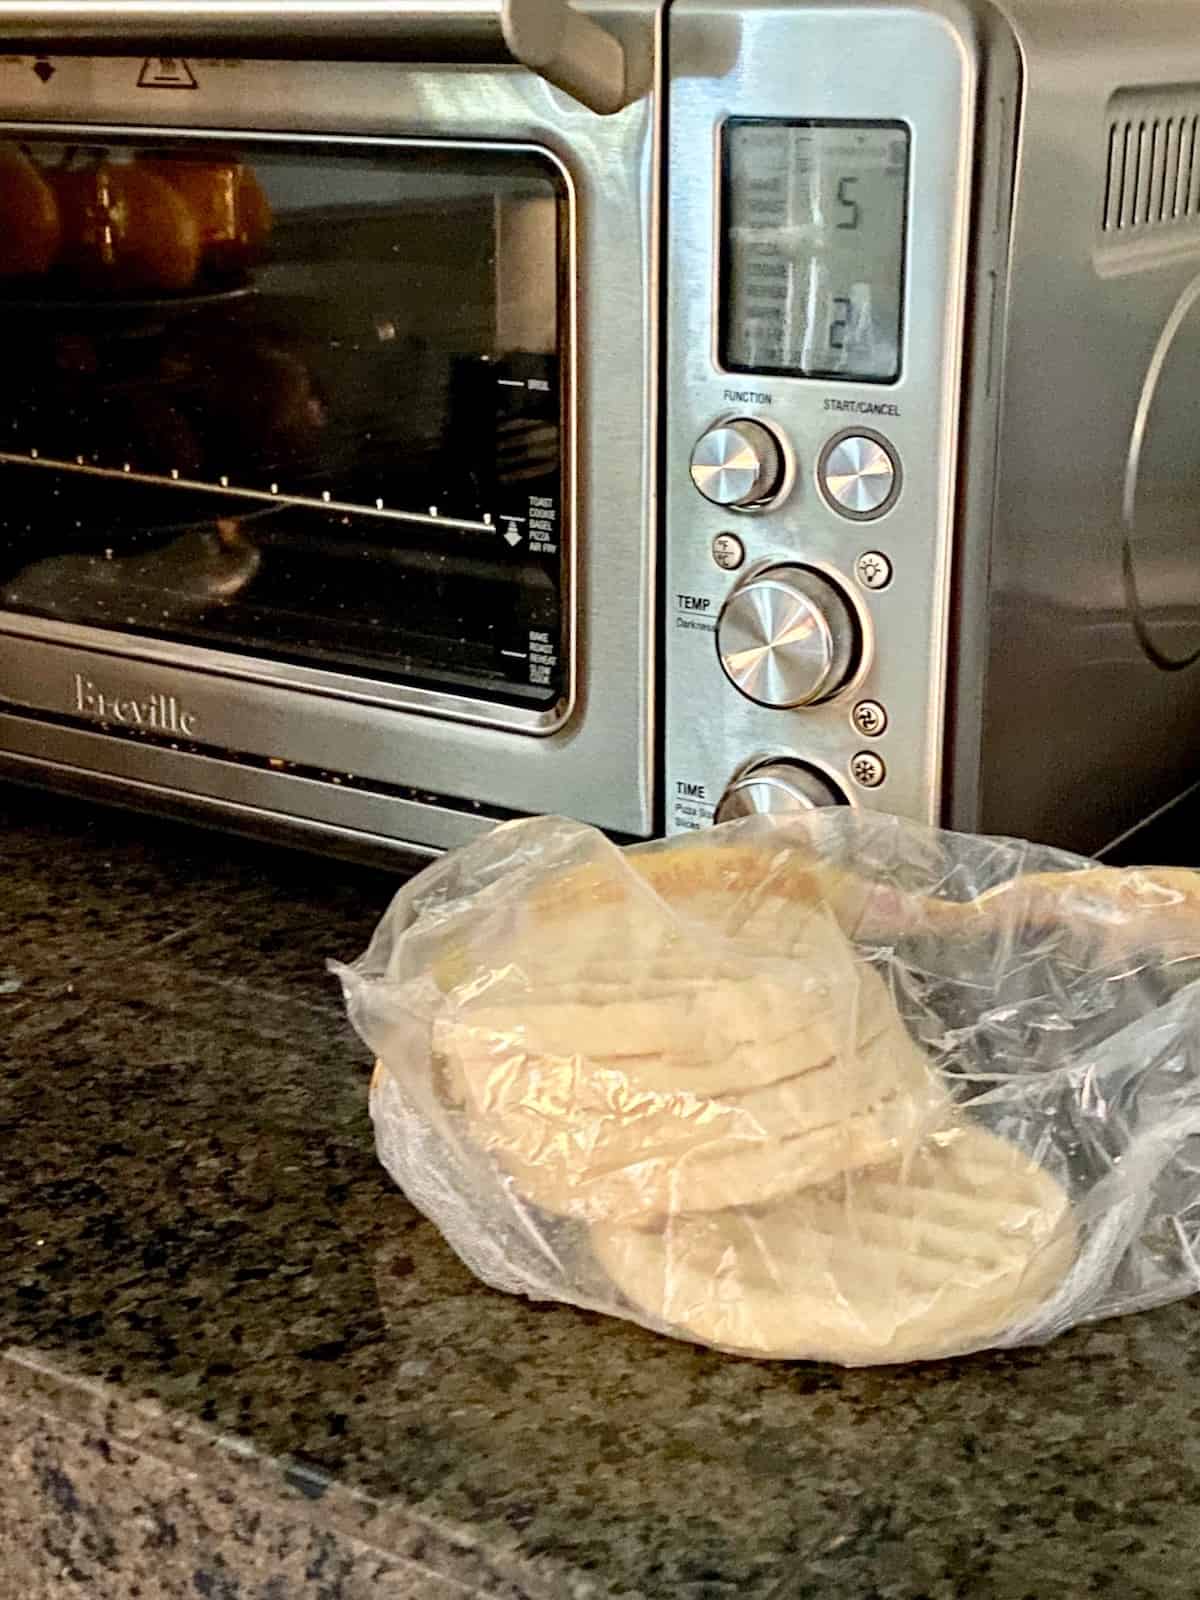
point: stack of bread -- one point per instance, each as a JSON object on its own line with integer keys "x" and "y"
{"x": 691, "y": 1059}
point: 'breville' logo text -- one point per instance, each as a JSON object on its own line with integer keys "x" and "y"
{"x": 159, "y": 712}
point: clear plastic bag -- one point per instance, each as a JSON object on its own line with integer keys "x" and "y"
{"x": 836, "y": 1086}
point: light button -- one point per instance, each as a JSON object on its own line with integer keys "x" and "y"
{"x": 873, "y": 570}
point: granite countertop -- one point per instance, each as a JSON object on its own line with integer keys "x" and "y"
{"x": 239, "y": 1365}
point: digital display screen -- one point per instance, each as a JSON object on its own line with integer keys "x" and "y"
{"x": 813, "y": 231}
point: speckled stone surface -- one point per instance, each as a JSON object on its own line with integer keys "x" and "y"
{"x": 98, "y": 1505}
{"x": 240, "y": 1366}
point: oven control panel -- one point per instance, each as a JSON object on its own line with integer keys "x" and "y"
{"x": 817, "y": 275}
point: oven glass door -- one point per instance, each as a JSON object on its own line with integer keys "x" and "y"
{"x": 300, "y": 404}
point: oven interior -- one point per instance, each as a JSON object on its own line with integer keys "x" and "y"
{"x": 300, "y": 402}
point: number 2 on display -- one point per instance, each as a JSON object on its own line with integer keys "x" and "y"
{"x": 837, "y": 328}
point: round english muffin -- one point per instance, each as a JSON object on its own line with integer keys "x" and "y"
{"x": 927, "y": 1257}
{"x": 693, "y": 1034}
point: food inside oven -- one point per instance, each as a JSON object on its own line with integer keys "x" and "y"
{"x": 301, "y": 403}
{"x": 159, "y": 223}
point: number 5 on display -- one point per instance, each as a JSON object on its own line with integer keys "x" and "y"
{"x": 846, "y": 198}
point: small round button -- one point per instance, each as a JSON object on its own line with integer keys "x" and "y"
{"x": 728, "y": 551}
{"x": 859, "y": 475}
{"x": 873, "y": 570}
{"x": 869, "y": 718}
{"x": 737, "y": 463}
{"x": 867, "y": 769}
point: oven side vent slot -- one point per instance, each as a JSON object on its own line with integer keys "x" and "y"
{"x": 1152, "y": 165}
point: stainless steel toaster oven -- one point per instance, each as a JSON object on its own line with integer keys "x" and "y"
{"x": 417, "y": 414}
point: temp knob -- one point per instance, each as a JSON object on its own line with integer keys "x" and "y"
{"x": 787, "y": 636}
{"x": 737, "y": 463}
{"x": 774, "y": 788}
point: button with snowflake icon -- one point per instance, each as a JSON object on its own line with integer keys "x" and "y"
{"x": 867, "y": 769}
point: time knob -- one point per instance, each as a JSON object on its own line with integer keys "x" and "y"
{"x": 773, "y": 788}
{"x": 738, "y": 463}
{"x": 787, "y": 636}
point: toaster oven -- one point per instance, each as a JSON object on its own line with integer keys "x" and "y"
{"x": 417, "y": 415}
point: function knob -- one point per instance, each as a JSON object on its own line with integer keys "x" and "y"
{"x": 773, "y": 788}
{"x": 737, "y": 463}
{"x": 787, "y": 636}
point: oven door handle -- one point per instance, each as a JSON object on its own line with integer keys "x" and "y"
{"x": 565, "y": 47}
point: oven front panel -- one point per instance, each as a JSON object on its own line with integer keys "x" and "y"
{"x": 818, "y": 272}
{"x": 331, "y": 499}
